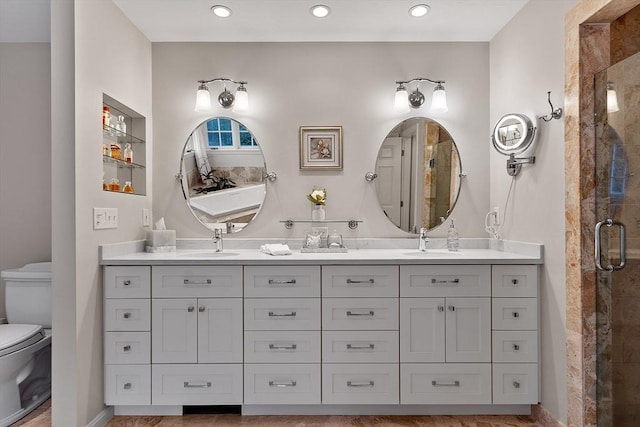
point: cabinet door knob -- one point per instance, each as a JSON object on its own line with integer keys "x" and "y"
{"x": 515, "y": 314}
{"x": 516, "y": 384}
{"x": 190, "y": 309}
{"x": 514, "y": 282}
{"x": 127, "y": 315}
{"x": 201, "y": 309}
{"x": 452, "y": 308}
{"x": 516, "y": 347}
{"x": 127, "y": 386}
{"x": 126, "y": 348}
{"x": 126, "y": 282}
{"x": 440, "y": 308}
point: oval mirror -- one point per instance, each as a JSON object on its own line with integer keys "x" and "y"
{"x": 513, "y": 134}
{"x": 418, "y": 168}
{"x": 223, "y": 174}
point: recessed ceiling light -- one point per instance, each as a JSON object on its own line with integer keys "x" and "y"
{"x": 320, "y": 11}
{"x": 221, "y": 11}
{"x": 419, "y": 10}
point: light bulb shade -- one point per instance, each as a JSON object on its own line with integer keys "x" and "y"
{"x": 401, "y": 102}
{"x": 203, "y": 99}
{"x": 612, "y": 99}
{"x": 242, "y": 100}
{"x": 439, "y": 99}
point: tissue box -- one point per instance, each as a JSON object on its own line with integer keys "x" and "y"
{"x": 161, "y": 241}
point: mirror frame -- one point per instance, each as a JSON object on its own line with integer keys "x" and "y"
{"x": 522, "y": 143}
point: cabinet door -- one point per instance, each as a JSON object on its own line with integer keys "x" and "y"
{"x": 422, "y": 330}
{"x": 174, "y": 331}
{"x": 220, "y": 330}
{"x": 468, "y": 329}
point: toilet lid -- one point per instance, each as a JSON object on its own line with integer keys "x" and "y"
{"x": 16, "y": 337}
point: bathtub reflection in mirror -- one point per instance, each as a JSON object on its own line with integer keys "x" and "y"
{"x": 222, "y": 172}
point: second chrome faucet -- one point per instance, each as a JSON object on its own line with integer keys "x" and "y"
{"x": 217, "y": 239}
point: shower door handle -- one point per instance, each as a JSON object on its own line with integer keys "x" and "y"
{"x": 623, "y": 245}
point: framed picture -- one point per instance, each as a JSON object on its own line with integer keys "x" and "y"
{"x": 321, "y": 147}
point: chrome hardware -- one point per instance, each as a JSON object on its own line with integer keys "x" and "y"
{"x": 187, "y": 384}
{"x": 127, "y": 386}
{"x": 361, "y": 384}
{"x": 516, "y": 347}
{"x": 514, "y": 282}
{"x": 190, "y": 309}
{"x": 452, "y": 308}
{"x": 282, "y": 282}
{"x": 370, "y": 176}
{"x": 514, "y": 164}
{"x": 445, "y": 281}
{"x": 516, "y": 384}
{"x": 126, "y": 348}
{"x": 361, "y": 347}
{"x": 435, "y": 383}
{"x": 217, "y": 239}
{"x": 440, "y": 308}
{"x": 515, "y": 314}
{"x": 623, "y": 245}
{"x": 370, "y": 313}
{"x": 351, "y": 281}
{"x": 423, "y": 240}
{"x": 201, "y": 309}
{"x": 352, "y": 224}
{"x": 272, "y": 314}
{"x": 271, "y": 176}
{"x": 126, "y": 282}
{"x": 282, "y": 384}
{"x": 196, "y": 282}
{"x": 127, "y": 315}
{"x": 230, "y": 227}
{"x": 283, "y": 347}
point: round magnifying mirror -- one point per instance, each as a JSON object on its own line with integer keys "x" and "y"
{"x": 418, "y": 174}
{"x": 513, "y": 134}
{"x": 223, "y": 174}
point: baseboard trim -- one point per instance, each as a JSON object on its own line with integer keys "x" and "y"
{"x": 540, "y": 414}
{"x": 102, "y": 418}
{"x": 386, "y": 409}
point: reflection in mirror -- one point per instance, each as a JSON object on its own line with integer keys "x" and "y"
{"x": 418, "y": 169}
{"x": 513, "y": 134}
{"x": 223, "y": 172}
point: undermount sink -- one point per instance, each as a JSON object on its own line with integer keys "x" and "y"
{"x": 433, "y": 253}
{"x": 206, "y": 254}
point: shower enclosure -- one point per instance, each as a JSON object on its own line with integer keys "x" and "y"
{"x": 617, "y": 234}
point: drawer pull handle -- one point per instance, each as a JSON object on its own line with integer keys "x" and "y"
{"x": 197, "y": 282}
{"x": 369, "y": 313}
{"x": 127, "y": 315}
{"x": 187, "y": 384}
{"x": 283, "y": 347}
{"x": 516, "y": 384}
{"x": 353, "y": 282}
{"x": 201, "y": 309}
{"x": 455, "y": 383}
{"x": 361, "y": 347}
{"x": 440, "y": 308}
{"x": 292, "y": 314}
{"x": 190, "y": 309}
{"x": 361, "y": 384}
{"x": 445, "y": 281}
{"x": 515, "y": 314}
{"x": 514, "y": 282}
{"x": 282, "y": 384}
{"x": 282, "y": 282}
{"x": 516, "y": 347}
{"x": 452, "y": 308}
{"x": 127, "y": 386}
{"x": 126, "y": 348}
{"x": 126, "y": 282}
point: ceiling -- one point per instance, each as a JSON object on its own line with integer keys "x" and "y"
{"x": 285, "y": 20}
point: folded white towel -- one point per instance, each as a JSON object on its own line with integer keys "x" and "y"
{"x": 276, "y": 249}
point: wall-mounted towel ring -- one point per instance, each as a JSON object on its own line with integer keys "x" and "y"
{"x": 555, "y": 113}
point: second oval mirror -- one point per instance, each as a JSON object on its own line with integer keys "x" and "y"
{"x": 223, "y": 173}
{"x": 418, "y": 168}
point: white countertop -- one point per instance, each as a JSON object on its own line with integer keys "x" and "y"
{"x": 361, "y": 251}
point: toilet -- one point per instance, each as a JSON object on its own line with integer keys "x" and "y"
{"x": 25, "y": 341}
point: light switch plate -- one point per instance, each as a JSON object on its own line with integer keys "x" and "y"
{"x": 146, "y": 219}
{"x": 104, "y": 218}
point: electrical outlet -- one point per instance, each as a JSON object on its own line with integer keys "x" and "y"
{"x": 496, "y": 215}
{"x": 99, "y": 218}
{"x": 146, "y": 219}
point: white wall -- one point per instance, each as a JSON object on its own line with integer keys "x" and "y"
{"x": 321, "y": 84}
{"x": 25, "y": 156}
{"x": 527, "y": 59}
{"x": 112, "y": 57}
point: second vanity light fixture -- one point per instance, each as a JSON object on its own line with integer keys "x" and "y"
{"x": 239, "y": 101}
{"x": 415, "y": 99}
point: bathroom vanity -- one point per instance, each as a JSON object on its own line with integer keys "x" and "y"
{"x": 383, "y": 328}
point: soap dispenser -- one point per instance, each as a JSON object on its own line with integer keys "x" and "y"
{"x": 452, "y": 238}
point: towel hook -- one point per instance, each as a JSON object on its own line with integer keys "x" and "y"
{"x": 555, "y": 113}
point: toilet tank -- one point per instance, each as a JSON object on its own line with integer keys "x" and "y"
{"x": 28, "y": 294}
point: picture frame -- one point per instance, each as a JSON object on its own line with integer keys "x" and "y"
{"x": 321, "y": 147}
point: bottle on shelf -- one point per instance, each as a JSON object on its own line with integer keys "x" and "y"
{"x": 115, "y": 151}
{"x": 114, "y": 185}
{"x": 453, "y": 242}
{"x": 106, "y": 151}
{"x": 128, "y": 153}
{"x": 105, "y": 187}
{"x": 106, "y": 117}
{"x": 128, "y": 188}
{"x": 121, "y": 126}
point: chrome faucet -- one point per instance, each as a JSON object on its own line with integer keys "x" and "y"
{"x": 230, "y": 227}
{"x": 217, "y": 239}
{"x": 423, "y": 240}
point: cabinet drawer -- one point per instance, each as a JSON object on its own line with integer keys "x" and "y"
{"x": 276, "y": 384}
{"x": 360, "y": 314}
{"x": 196, "y": 281}
{"x": 515, "y": 313}
{"x": 127, "y": 282}
{"x": 203, "y": 384}
{"x": 360, "y": 346}
{"x": 515, "y": 346}
{"x": 283, "y": 282}
{"x": 514, "y": 280}
{"x": 127, "y": 314}
{"x": 434, "y": 383}
{"x": 282, "y": 347}
{"x": 360, "y": 280}
{"x": 445, "y": 280}
{"x": 515, "y": 383}
{"x": 360, "y": 384}
{"x": 288, "y": 314}
{"x": 127, "y": 348}
{"x": 127, "y": 384}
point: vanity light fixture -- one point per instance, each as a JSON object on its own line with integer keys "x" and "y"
{"x": 239, "y": 101}
{"x": 612, "y": 99}
{"x": 320, "y": 11}
{"x": 419, "y": 10}
{"x": 415, "y": 99}
{"x": 221, "y": 11}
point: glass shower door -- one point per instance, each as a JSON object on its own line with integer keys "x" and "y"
{"x": 617, "y": 233}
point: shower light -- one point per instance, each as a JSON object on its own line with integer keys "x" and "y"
{"x": 612, "y": 99}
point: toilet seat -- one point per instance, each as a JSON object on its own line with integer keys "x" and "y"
{"x": 14, "y": 337}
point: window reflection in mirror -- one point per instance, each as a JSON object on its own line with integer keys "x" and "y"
{"x": 418, "y": 169}
{"x": 223, "y": 173}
